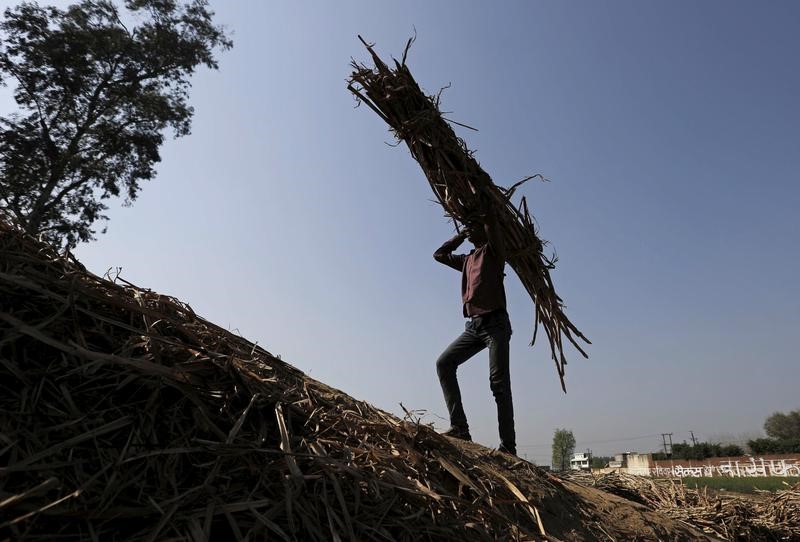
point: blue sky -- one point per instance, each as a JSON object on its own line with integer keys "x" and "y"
{"x": 669, "y": 132}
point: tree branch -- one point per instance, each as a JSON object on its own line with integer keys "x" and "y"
{"x": 51, "y": 146}
{"x": 82, "y": 179}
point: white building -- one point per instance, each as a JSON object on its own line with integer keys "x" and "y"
{"x": 581, "y": 461}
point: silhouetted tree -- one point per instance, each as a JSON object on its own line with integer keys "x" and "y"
{"x": 97, "y": 87}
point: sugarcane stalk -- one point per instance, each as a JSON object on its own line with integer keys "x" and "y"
{"x": 465, "y": 190}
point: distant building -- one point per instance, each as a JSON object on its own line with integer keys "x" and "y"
{"x": 630, "y": 463}
{"x": 581, "y": 461}
{"x": 620, "y": 461}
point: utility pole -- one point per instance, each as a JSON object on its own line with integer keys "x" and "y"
{"x": 694, "y": 440}
{"x": 664, "y": 440}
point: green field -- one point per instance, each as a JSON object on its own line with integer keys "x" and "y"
{"x": 743, "y": 485}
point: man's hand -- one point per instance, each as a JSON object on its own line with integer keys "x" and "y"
{"x": 444, "y": 253}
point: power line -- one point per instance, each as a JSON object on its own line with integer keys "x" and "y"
{"x": 584, "y": 442}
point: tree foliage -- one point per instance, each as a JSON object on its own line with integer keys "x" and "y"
{"x": 784, "y": 432}
{"x": 601, "y": 461}
{"x": 97, "y": 87}
{"x": 783, "y": 426}
{"x": 703, "y": 450}
{"x": 774, "y": 446}
{"x": 563, "y": 448}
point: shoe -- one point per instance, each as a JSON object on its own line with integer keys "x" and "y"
{"x": 508, "y": 450}
{"x": 458, "y": 432}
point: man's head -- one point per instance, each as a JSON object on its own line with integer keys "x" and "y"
{"x": 476, "y": 233}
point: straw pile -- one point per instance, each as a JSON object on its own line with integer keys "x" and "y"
{"x": 124, "y": 415}
{"x": 765, "y": 517}
{"x": 464, "y": 190}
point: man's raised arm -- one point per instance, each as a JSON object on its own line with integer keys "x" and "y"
{"x": 444, "y": 254}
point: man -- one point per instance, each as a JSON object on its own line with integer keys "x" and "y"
{"x": 484, "y": 301}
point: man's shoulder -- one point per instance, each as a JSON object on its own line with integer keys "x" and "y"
{"x": 487, "y": 253}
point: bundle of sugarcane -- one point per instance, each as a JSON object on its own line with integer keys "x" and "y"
{"x": 464, "y": 190}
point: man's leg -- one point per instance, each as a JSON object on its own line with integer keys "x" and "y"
{"x": 497, "y": 333}
{"x": 500, "y": 383}
{"x": 463, "y": 348}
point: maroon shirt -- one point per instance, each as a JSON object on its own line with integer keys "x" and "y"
{"x": 482, "y": 274}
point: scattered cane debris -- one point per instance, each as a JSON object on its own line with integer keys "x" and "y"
{"x": 126, "y": 416}
{"x": 766, "y": 516}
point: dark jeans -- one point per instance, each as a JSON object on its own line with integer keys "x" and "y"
{"x": 492, "y": 330}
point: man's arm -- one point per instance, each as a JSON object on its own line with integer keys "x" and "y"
{"x": 444, "y": 254}
{"x": 494, "y": 235}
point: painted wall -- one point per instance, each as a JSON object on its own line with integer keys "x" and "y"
{"x": 640, "y": 464}
{"x": 737, "y": 467}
